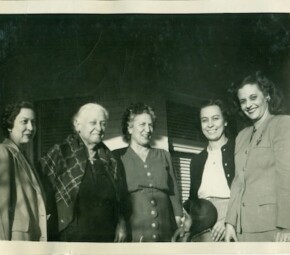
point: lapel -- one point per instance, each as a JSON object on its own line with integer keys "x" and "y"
{"x": 20, "y": 159}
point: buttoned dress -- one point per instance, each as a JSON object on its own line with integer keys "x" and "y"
{"x": 22, "y": 201}
{"x": 153, "y": 196}
{"x": 260, "y": 194}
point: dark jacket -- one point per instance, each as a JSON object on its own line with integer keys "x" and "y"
{"x": 198, "y": 162}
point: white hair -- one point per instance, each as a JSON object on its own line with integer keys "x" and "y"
{"x": 89, "y": 106}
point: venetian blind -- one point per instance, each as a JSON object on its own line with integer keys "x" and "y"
{"x": 185, "y": 138}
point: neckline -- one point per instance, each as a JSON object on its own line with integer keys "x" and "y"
{"x": 138, "y": 156}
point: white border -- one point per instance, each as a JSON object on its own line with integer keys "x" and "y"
{"x": 138, "y": 7}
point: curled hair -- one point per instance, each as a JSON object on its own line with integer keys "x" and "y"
{"x": 10, "y": 113}
{"x": 267, "y": 87}
{"x": 224, "y": 110}
{"x": 130, "y": 113}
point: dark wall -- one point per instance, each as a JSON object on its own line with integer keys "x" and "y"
{"x": 138, "y": 57}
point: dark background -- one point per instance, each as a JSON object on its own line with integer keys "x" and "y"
{"x": 117, "y": 59}
{"x": 49, "y": 56}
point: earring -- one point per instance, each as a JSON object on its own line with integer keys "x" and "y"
{"x": 10, "y": 130}
{"x": 226, "y": 124}
{"x": 268, "y": 98}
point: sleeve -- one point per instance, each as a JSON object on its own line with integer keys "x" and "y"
{"x": 195, "y": 177}
{"x": 5, "y": 194}
{"x": 235, "y": 197}
{"x": 173, "y": 189}
{"x": 281, "y": 149}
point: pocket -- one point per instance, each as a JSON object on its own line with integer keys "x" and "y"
{"x": 265, "y": 200}
{"x": 20, "y": 225}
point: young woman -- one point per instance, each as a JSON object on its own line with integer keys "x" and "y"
{"x": 259, "y": 206}
{"x": 212, "y": 171}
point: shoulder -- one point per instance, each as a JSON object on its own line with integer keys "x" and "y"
{"x": 280, "y": 120}
{"x": 3, "y": 152}
{"x": 119, "y": 152}
{"x": 160, "y": 152}
{"x": 244, "y": 132}
{"x": 196, "y": 158}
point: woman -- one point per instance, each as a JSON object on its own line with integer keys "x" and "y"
{"x": 259, "y": 206}
{"x": 212, "y": 171}
{"x": 22, "y": 209}
{"x": 154, "y": 207}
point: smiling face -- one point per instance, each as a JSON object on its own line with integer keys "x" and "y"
{"x": 253, "y": 102}
{"x": 141, "y": 129}
{"x": 91, "y": 126}
{"x": 212, "y": 122}
{"x": 24, "y": 128}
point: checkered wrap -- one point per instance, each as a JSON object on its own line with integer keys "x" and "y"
{"x": 65, "y": 166}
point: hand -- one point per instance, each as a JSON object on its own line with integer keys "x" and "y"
{"x": 282, "y": 235}
{"x": 120, "y": 234}
{"x": 230, "y": 233}
{"x": 218, "y": 231}
{"x": 183, "y": 231}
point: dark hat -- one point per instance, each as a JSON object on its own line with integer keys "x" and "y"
{"x": 203, "y": 214}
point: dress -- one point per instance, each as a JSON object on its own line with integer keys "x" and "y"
{"x": 153, "y": 195}
{"x": 87, "y": 194}
{"x": 22, "y": 201}
{"x": 260, "y": 194}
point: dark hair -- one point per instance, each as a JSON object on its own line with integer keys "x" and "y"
{"x": 224, "y": 110}
{"x": 10, "y": 113}
{"x": 131, "y": 112}
{"x": 267, "y": 87}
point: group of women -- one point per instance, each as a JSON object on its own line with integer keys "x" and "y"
{"x": 245, "y": 181}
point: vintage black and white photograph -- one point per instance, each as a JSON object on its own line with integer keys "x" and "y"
{"x": 145, "y": 128}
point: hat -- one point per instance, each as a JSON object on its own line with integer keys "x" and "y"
{"x": 203, "y": 214}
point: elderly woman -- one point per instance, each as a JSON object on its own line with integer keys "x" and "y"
{"x": 212, "y": 171}
{"x": 22, "y": 208}
{"x": 85, "y": 182}
{"x": 154, "y": 204}
{"x": 259, "y": 206}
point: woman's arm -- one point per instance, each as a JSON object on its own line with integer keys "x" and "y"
{"x": 281, "y": 148}
{"x": 5, "y": 194}
{"x": 173, "y": 190}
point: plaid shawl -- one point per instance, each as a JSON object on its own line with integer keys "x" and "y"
{"x": 65, "y": 166}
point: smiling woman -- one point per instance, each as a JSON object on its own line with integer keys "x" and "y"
{"x": 153, "y": 210}
{"x": 212, "y": 171}
{"x": 22, "y": 209}
{"x": 259, "y": 206}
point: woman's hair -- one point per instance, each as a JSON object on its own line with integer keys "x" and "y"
{"x": 83, "y": 109}
{"x": 129, "y": 115}
{"x": 10, "y": 113}
{"x": 267, "y": 87}
{"x": 223, "y": 108}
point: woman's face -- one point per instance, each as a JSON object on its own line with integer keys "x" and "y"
{"x": 212, "y": 122}
{"x": 24, "y": 127}
{"x": 141, "y": 129}
{"x": 253, "y": 102}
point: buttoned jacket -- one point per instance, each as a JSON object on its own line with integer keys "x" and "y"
{"x": 21, "y": 192}
{"x": 260, "y": 194}
{"x": 198, "y": 162}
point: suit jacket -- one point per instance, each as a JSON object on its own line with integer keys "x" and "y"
{"x": 260, "y": 194}
{"x": 22, "y": 203}
{"x": 197, "y": 167}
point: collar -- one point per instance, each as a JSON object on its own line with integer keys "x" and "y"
{"x": 8, "y": 142}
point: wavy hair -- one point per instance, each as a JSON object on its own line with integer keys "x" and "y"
{"x": 129, "y": 115}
